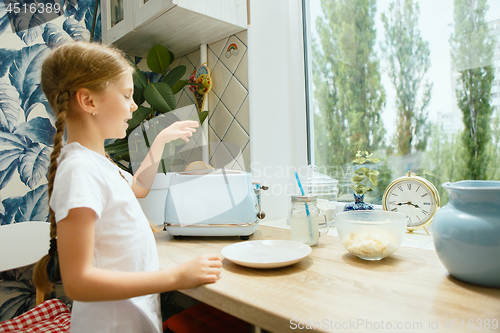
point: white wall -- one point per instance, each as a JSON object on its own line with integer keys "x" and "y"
{"x": 277, "y": 99}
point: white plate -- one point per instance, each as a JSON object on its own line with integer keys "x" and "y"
{"x": 266, "y": 253}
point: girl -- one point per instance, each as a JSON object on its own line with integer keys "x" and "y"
{"x": 105, "y": 247}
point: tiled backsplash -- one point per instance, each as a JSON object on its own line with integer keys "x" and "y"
{"x": 228, "y": 123}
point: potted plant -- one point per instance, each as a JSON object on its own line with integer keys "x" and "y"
{"x": 363, "y": 176}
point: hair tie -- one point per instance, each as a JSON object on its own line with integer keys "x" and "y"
{"x": 63, "y": 96}
{"x": 53, "y": 247}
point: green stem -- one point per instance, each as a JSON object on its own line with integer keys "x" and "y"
{"x": 149, "y": 146}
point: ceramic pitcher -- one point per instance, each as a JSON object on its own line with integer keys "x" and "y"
{"x": 467, "y": 232}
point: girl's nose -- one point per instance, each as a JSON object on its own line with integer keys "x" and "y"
{"x": 133, "y": 106}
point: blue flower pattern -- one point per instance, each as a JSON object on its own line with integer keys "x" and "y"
{"x": 26, "y": 141}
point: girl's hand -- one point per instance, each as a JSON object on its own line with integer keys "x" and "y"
{"x": 201, "y": 270}
{"x": 179, "y": 130}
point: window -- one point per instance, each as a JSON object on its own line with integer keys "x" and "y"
{"x": 395, "y": 77}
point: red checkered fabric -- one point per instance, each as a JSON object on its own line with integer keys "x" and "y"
{"x": 51, "y": 316}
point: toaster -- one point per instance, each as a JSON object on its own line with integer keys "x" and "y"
{"x": 213, "y": 203}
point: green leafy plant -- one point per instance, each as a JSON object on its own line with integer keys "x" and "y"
{"x": 364, "y": 175}
{"x": 160, "y": 97}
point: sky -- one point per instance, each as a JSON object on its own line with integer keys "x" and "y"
{"x": 435, "y": 23}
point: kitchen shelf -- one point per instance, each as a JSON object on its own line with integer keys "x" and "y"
{"x": 179, "y": 25}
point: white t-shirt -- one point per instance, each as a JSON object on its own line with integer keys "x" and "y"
{"x": 123, "y": 238}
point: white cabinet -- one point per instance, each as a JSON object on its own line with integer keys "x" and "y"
{"x": 180, "y": 25}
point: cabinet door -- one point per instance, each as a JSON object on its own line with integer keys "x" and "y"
{"x": 116, "y": 19}
{"x": 147, "y": 10}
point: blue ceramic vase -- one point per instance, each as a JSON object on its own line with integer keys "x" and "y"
{"x": 467, "y": 232}
{"x": 358, "y": 204}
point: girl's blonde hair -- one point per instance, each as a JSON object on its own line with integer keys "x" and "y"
{"x": 68, "y": 68}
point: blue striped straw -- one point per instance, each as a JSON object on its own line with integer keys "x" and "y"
{"x": 307, "y": 207}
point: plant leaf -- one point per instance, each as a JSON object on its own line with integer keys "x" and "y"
{"x": 25, "y": 71}
{"x": 140, "y": 80}
{"x": 175, "y": 75}
{"x": 117, "y": 147}
{"x": 138, "y": 96}
{"x": 12, "y": 141}
{"x": 362, "y": 171}
{"x": 34, "y": 206}
{"x": 37, "y": 129}
{"x": 158, "y": 59}
{"x": 76, "y": 30}
{"x": 358, "y": 178}
{"x": 373, "y": 180}
{"x": 7, "y": 56}
{"x": 203, "y": 115}
{"x": 178, "y": 86}
{"x": 34, "y": 164}
{"x": 9, "y": 160}
{"x": 53, "y": 35}
{"x": 138, "y": 117}
{"x": 160, "y": 96}
{"x": 10, "y": 108}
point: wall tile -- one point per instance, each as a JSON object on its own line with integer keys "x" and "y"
{"x": 236, "y": 134}
{"x": 241, "y": 72}
{"x": 218, "y": 46}
{"x": 222, "y": 158}
{"x": 232, "y": 53}
{"x": 243, "y": 116}
{"x": 220, "y": 78}
{"x": 234, "y": 96}
{"x": 221, "y": 119}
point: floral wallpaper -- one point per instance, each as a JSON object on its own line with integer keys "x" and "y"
{"x": 27, "y": 130}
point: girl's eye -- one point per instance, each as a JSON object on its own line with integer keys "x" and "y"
{"x": 127, "y": 97}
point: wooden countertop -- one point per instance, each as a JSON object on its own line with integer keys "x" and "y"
{"x": 334, "y": 290}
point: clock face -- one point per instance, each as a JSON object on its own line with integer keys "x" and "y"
{"x": 413, "y": 198}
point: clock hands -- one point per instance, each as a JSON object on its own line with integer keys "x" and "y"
{"x": 409, "y": 203}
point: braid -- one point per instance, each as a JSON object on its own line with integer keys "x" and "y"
{"x": 49, "y": 262}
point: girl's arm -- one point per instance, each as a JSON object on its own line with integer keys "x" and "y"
{"x": 84, "y": 282}
{"x": 145, "y": 175}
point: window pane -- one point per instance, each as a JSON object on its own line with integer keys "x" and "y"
{"x": 116, "y": 11}
{"x": 412, "y": 81}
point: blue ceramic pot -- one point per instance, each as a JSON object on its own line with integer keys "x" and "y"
{"x": 467, "y": 232}
{"x": 358, "y": 204}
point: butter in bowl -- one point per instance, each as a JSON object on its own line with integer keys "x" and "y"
{"x": 371, "y": 234}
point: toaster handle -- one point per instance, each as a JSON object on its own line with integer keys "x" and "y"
{"x": 261, "y": 215}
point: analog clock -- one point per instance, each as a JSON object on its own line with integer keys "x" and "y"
{"x": 414, "y": 196}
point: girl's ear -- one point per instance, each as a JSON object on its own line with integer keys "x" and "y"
{"x": 86, "y": 100}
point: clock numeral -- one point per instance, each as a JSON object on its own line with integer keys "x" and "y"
{"x": 392, "y": 202}
{"x": 400, "y": 188}
{"x": 418, "y": 217}
{"x": 424, "y": 195}
{"x": 409, "y": 186}
{"x": 425, "y": 212}
{"x": 394, "y": 194}
{"x": 427, "y": 203}
{"x": 418, "y": 188}
{"x": 394, "y": 210}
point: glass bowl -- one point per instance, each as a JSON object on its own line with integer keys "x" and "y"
{"x": 371, "y": 234}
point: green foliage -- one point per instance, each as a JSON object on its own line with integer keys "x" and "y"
{"x": 159, "y": 96}
{"x": 408, "y": 56}
{"x": 472, "y": 52}
{"x": 347, "y": 83}
{"x": 363, "y": 175}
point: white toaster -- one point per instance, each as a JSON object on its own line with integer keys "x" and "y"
{"x": 213, "y": 203}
